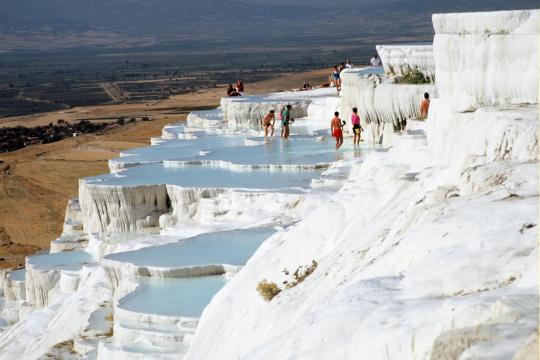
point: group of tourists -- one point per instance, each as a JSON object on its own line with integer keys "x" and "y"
{"x": 237, "y": 90}
{"x": 337, "y": 125}
{"x": 269, "y": 121}
{"x": 335, "y": 77}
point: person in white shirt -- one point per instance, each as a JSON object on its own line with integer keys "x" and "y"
{"x": 376, "y": 61}
{"x": 348, "y": 65}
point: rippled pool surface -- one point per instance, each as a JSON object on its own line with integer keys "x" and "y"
{"x": 18, "y": 275}
{"x": 299, "y": 151}
{"x": 173, "y": 297}
{"x": 69, "y": 260}
{"x": 207, "y": 177}
{"x": 179, "y": 149}
{"x": 224, "y": 247}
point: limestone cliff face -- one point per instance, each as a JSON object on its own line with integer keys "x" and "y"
{"x": 383, "y": 106}
{"x": 131, "y": 208}
{"x": 121, "y": 208}
{"x": 486, "y": 59}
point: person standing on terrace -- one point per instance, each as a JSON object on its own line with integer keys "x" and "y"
{"x": 285, "y": 121}
{"x": 336, "y": 129}
{"x": 336, "y": 78}
{"x": 268, "y": 122}
{"x": 375, "y": 60}
{"x": 357, "y": 129}
{"x": 239, "y": 86}
{"x": 424, "y": 106}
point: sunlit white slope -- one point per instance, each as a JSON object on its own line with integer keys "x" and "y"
{"x": 429, "y": 250}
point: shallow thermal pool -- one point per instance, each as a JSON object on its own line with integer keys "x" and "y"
{"x": 17, "y": 275}
{"x": 178, "y": 149}
{"x": 69, "y": 260}
{"x": 198, "y": 176}
{"x": 173, "y": 297}
{"x": 121, "y": 237}
{"x": 224, "y": 247}
{"x": 297, "y": 151}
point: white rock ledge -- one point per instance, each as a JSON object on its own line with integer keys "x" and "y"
{"x": 401, "y": 59}
{"x": 486, "y": 59}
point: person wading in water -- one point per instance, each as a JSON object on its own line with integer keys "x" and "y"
{"x": 285, "y": 121}
{"x": 357, "y": 129}
{"x": 336, "y": 128}
{"x": 268, "y": 122}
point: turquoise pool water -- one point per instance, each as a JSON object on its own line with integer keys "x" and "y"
{"x": 225, "y": 247}
{"x": 206, "y": 177}
{"x": 173, "y": 297}
{"x": 178, "y": 149}
{"x": 69, "y": 260}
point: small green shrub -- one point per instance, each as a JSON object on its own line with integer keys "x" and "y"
{"x": 268, "y": 289}
{"x": 415, "y": 77}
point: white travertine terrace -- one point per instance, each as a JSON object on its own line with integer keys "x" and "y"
{"x": 383, "y": 106}
{"x": 401, "y": 59}
{"x": 205, "y": 119}
{"x": 486, "y": 59}
{"x": 426, "y": 247}
{"x": 121, "y": 208}
{"x": 246, "y": 112}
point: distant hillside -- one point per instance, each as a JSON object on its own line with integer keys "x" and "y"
{"x": 30, "y": 24}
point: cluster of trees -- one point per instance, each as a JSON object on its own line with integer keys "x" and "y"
{"x": 14, "y": 138}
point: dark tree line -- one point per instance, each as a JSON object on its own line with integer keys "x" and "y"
{"x": 13, "y": 138}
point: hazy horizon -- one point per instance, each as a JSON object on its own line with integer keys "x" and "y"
{"x": 28, "y": 25}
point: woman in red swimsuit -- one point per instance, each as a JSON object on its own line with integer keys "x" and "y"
{"x": 336, "y": 128}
